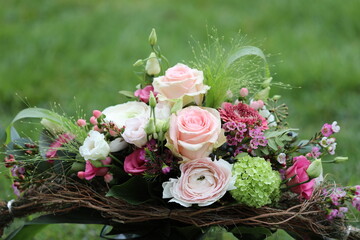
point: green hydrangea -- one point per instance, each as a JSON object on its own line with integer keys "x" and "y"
{"x": 257, "y": 184}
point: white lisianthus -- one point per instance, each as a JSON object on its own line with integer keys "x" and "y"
{"x": 94, "y": 147}
{"x": 117, "y": 145}
{"x": 162, "y": 111}
{"x": 135, "y": 131}
{"x": 118, "y": 114}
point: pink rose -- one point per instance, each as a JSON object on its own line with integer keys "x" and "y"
{"x": 135, "y": 163}
{"x": 298, "y": 169}
{"x": 194, "y": 132}
{"x": 181, "y": 81}
{"x": 144, "y": 94}
{"x": 202, "y": 182}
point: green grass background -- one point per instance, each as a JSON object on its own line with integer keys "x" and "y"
{"x": 51, "y": 51}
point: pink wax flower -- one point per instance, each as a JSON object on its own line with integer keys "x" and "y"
{"x": 81, "y": 122}
{"x": 97, "y": 113}
{"x": 60, "y": 140}
{"x": 93, "y": 120}
{"x": 356, "y": 202}
{"x": 332, "y": 214}
{"x": 144, "y": 94}
{"x": 241, "y": 113}
{"x": 298, "y": 174}
{"x": 91, "y": 171}
{"x": 244, "y": 92}
{"x": 135, "y": 163}
{"x": 326, "y": 130}
{"x": 257, "y": 104}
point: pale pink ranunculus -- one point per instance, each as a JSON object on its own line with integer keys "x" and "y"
{"x": 194, "y": 132}
{"x": 135, "y": 163}
{"x": 183, "y": 82}
{"x": 298, "y": 174}
{"x": 202, "y": 182}
{"x": 134, "y": 131}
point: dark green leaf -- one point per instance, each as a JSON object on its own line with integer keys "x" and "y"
{"x": 134, "y": 191}
{"x": 26, "y": 232}
{"x": 218, "y": 233}
{"x": 256, "y": 233}
{"x": 272, "y": 144}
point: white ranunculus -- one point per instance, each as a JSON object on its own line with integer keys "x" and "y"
{"x": 94, "y": 147}
{"x": 134, "y": 131}
{"x": 118, "y": 114}
{"x": 117, "y": 145}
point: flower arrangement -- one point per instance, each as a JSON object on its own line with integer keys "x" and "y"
{"x": 196, "y": 138}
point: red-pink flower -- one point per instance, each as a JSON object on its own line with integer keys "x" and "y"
{"x": 144, "y": 94}
{"x": 241, "y": 113}
{"x": 297, "y": 173}
{"x": 135, "y": 163}
{"x": 54, "y": 147}
{"x": 91, "y": 171}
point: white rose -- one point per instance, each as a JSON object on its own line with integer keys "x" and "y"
{"x": 117, "y": 145}
{"x": 134, "y": 131}
{"x": 183, "y": 82}
{"x": 94, "y": 147}
{"x": 118, "y": 114}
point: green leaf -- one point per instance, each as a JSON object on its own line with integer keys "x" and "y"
{"x": 177, "y": 106}
{"x": 255, "y": 233}
{"x": 280, "y": 235}
{"x": 248, "y": 51}
{"x": 31, "y": 113}
{"x": 272, "y": 144}
{"x": 218, "y": 233}
{"x": 127, "y": 94}
{"x": 134, "y": 191}
{"x": 2, "y": 135}
{"x": 26, "y": 232}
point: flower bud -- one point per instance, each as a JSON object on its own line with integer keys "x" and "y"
{"x": 315, "y": 169}
{"x": 340, "y": 159}
{"x": 152, "y": 37}
{"x": 152, "y": 67}
{"x": 244, "y": 92}
{"x": 93, "y": 120}
{"x": 150, "y": 128}
{"x": 97, "y": 113}
{"x": 81, "y": 122}
{"x": 276, "y": 97}
{"x": 108, "y": 177}
{"x": 152, "y": 100}
{"x": 138, "y": 63}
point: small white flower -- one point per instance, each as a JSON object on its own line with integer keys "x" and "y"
{"x": 323, "y": 142}
{"x": 94, "y": 147}
{"x": 335, "y": 127}
{"x": 270, "y": 118}
{"x": 331, "y": 149}
{"x": 117, "y": 145}
{"x": 281, "y": 158}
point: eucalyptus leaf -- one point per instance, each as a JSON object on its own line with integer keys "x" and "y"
{"x": 272, "y": 144}
{"x": 134, "y": 191}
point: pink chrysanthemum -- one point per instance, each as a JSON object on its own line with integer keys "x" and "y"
{"x": 241, "y": 113}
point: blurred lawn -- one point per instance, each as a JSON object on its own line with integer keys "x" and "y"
{"x": 51, "y": 51}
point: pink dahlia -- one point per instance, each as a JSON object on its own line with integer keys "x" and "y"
{"x": 241, "y": 113}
